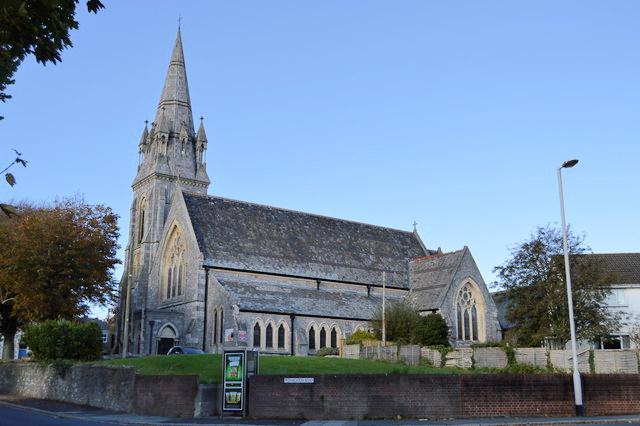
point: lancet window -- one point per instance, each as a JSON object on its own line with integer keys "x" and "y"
{"x": 174, "y": 268}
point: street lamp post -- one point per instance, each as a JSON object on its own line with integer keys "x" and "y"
{"x": 577, "y": 384}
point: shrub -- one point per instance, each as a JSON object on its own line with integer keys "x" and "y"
{"x": 432, "y": 330}
{"x": 61, "y": 339}
{"x": 406, "y": 325}
{"x": 359, "y": 336}
{"x": 327, "y": 351}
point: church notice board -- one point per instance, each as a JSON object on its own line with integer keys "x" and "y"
{"x": 237, "y": 366}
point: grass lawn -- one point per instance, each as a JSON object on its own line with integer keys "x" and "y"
{"x": 209, "y": 367}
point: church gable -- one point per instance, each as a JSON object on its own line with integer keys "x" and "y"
{"x": 178, "y": 260}
{"x": 246, "y": 236}
{"x": 431, "y": 278}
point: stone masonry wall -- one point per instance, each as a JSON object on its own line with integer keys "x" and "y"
{"x": 112, "y": 388}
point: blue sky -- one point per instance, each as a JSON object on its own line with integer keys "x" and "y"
{"x": 452, "y": 114}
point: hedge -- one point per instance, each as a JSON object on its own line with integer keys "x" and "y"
{"x": 61, "y": 339}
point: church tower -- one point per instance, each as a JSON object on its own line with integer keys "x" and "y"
{"x": 171, "y": 156}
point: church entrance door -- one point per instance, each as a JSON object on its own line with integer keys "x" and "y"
{"x": 164, "y": 344}
{"x": 167, "y": 339}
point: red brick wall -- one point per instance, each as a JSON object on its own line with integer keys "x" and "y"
{"x": 517, "y": 395}
{"x": 440, "y": 396}
{"x": 611, "y": 394}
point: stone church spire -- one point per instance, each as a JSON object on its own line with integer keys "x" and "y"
{"x": 175, "y": 103}
{"x": 173, "y": 151}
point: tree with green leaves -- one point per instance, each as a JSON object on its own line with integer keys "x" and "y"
{"x": 56, "y": 260}
{"x": 533, "y": 280}
{"x": 405, "y": 325}
{"x": 35, "y": 27}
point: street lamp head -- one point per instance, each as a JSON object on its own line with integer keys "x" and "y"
{"x": 569, "y": 163}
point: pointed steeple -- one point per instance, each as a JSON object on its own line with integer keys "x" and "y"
{"x": 145, "y": 136}
{"x": 175, "y": 98}
{"x": 201, "y": 138}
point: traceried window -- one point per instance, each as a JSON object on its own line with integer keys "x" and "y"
{"x": 269, "y": 338}
{"x": 281, "y": 336}
{"x": 312, "y": 338}
{"x": 323, "y": 337}
{"x": 334, "y": 338}
{"x": 466, "y": 314}
{"x": 174, "y": 266}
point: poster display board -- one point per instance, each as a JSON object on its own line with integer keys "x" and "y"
{"x": 237, "y": 365}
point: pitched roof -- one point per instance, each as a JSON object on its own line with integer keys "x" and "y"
{"x": 502, "y": 301}
{"x": 247, "y": 236}
{"x": 256, "y": 294}
{"x": 626, "y": 266}
{"x": 431, "y": 276}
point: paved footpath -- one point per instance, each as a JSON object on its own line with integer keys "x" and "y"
{"x": 15, "y": 411}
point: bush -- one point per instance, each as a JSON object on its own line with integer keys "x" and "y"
{"x": 405, "y": 325}
{"x": 359, "y": 336}
{"x": 327, "y": 351}
{"x": 432, "y": 330}
{"x": 61, "y": 339}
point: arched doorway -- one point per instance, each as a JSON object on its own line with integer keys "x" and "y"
{"x": 167, "y": 338}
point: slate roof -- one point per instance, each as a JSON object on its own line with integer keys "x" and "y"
{"x": 247, "y": 236}
{"x": 502, "y": 303}
{"x": 626, "y": 266}
{"x": 260, "y": 294}
{"x": 431, "y": 276}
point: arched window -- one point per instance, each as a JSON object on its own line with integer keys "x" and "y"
{"x": 269, "y": 336}
{"x": 334, "y": 338}
{"x": 468, "y": 314}
{"x": 142, "y": 208}
{"x": 256, "y": 335}
{"x": 281, "y": 336}
{"x": 323, "y": 337}
{"x": 173, "y": 264}
{"x": 215, "y": 326}
{"x": 169, "y": 283}
{"x": 221, "y": 325}
{"x": 312, "y": 338}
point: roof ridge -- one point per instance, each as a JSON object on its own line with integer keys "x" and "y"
{"x": 437, "y": 255}
{"x": 615, "y": 253}
{"x": 297, "y": 211}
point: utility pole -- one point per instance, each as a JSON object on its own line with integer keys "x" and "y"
{"x": 384, "y": 318}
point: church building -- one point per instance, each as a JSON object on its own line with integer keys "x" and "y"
{"x": 208, "y": 272}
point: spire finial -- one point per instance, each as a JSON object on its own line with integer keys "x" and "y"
{"x": 201, "y": 118}
{"x": 415, "y": 226}
{"x": 179, "y": 20}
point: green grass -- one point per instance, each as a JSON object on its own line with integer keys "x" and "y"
{"x": 209, "y": 367}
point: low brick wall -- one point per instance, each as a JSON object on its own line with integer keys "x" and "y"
{"x": 439, "y": 396}
{"x": 112, "y": 388}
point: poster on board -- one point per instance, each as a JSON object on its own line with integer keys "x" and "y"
{"x": 233, "y": 381}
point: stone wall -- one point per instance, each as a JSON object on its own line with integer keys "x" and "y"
{"x": 439, "y": 396}
{"x": 532, "y": 356}
{"x": 623, "y": 361}
{"x": 112, "y": 388}
{"x": 489, "y": 358}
